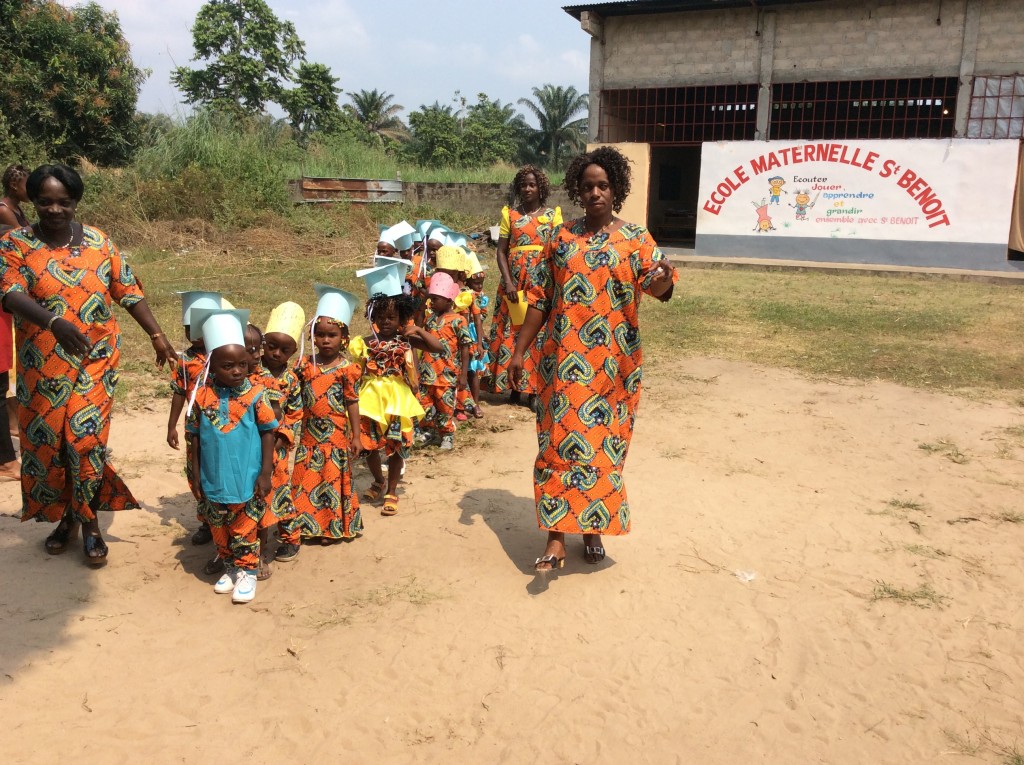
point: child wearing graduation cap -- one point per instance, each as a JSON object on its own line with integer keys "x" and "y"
{"x": 326, "y": 505}
{"x": 475, "y": 303}
{"x": 388, "y": 402}
{"x": 443, "y": 372}
{"x": 232, "y": 423}
{"x": 191, "y": 363}
{"x": 280, "y": 342}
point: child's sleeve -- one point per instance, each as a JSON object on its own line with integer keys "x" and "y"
{"x": 12, "y": 279}
{"x": 350, "y": 384}
{"x": 462, "y": 334}
{"x": 192, "y": 419}
{"x": 178, "y": 378}
{"x": 291, "y": 406}
{"x": 357, "y": 348}
{"x": 265, "y": 417}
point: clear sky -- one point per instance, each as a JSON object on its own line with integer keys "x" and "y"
{"x": 420, "y": 51}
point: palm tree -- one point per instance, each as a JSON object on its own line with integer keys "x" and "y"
{"x": 562, "y": 131}
{"x": 377, "y": 115}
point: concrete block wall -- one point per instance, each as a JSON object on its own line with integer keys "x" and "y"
{"x": 483, "y": 199}
{"x": 841, "y": 40}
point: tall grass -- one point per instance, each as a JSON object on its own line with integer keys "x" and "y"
{"x": 233, "y": 175}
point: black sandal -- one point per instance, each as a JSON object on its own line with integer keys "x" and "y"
{"x": 551, "y": 560}
{"x": 593, "y": 554}
{"x": 95, "y": 550}
{"x": 61, "y": 537}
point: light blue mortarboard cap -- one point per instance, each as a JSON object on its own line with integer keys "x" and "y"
{"x": 334, "y": 303}
{"x": 221, "y": 326}
{"x": 383, "y": 280}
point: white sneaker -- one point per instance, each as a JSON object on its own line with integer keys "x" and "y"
{"x": 447, "y": 442}
{"x": 422, "y": 438}
{"x": 226, "y": 583}
{"x": 245, "y": 588}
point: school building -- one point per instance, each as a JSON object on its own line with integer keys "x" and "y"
{"x": 859, "y": 131}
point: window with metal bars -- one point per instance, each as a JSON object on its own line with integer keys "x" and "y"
{"x": 678, "y": 115}
{"x": 908, "y": 108}
{"x": 997, "y": 107}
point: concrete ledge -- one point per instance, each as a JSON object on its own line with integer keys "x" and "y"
{"x": 681, "y": 259}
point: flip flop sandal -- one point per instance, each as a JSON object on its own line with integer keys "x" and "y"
{"x": 61, "y": 537}
{"x": 375, "y": 492}
{"x": 390, "y": 505}
{"x": 552, "y": 561}
{"x": 95, "y": 550}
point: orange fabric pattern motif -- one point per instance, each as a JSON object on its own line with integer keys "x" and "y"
{"x": 326, "y": 504}
{"x": 65, "y": 403}
{"x": 285, "y": 394}
{"x": 590, "y": 370}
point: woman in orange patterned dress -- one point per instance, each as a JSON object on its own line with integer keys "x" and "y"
{"x": 59, "y": 279}
{"x": 586, "y": 292}
{"x": 525, "y": 229}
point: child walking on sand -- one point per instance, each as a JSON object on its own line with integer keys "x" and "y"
{"x": 326, "y": 506}
{"x": 387, "y": 396}
{"x": 233, "y": 425}
{"x": 443, "y": 372}
{"x": 191, "y": 363}
{"x": 280, "y": 342}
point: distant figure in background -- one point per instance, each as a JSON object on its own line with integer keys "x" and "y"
{"x": 14, "y": 196}
{"x": 10, "y": 470}
{"x": 525, "y": 228}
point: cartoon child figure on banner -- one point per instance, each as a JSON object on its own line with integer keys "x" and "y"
{"x": 775, "y": 184}
{"x": 764, "y": 220}
{"x": 803, "y": 203}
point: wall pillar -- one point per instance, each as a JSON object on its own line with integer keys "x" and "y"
{"x": 593, "y": 25}
{"x": 766, "y": 44}
{"x": 968, "y": 56}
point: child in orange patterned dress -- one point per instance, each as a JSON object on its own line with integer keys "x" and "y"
{"x": 326, "y": 505}
{"x": 280, "y": 342}
{"x": 443, "y": 372}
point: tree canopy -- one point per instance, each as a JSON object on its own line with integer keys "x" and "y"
{"x": 68, "y": 85}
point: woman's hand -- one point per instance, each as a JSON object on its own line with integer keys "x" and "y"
{"x": 355, "y": 447}
{"x": 165, "y": 353}
{"x": 70, "y": 339}
{"x": 510, "y": 292}
{"x": 515, "y": 369}
{"x": 662, "y": 277}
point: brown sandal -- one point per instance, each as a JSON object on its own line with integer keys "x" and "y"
{"x": 390, "y": 505}
{"x": 375, "y": 491}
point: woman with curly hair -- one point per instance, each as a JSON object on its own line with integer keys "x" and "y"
{"x": 526, "y": 227}
{"x": 585, "y": 295}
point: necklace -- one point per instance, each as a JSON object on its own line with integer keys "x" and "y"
{"x": 594, "y": 235}
{"x": 70, "y": 238}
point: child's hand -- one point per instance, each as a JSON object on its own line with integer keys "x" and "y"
{"x": 355, "y": 448}
{"x": 172, "y": 437}
{"x": 197, "y": 491}
{"x": 263, "y": 484}
{"x": 281, "y": 442}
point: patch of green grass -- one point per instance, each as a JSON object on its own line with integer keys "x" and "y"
{"x": 922, "y": 597}
{"x": 905, "y": 504}
{"x": 947, "y": 449}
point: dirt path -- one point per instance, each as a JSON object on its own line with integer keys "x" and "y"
{"x": 804, "y": 584}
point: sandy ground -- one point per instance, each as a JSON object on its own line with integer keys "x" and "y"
{"x": 739, "y": 623}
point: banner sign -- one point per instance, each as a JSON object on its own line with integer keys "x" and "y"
{"x": 914, "y": 190}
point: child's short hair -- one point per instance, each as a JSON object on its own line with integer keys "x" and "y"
{"x": 256, "y": 330}
{"x": 403, "y": 305}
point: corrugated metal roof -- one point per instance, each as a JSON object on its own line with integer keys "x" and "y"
{"x": 644, "y": 7}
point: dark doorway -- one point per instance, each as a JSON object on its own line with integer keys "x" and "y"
{"x": 674, "y": 193}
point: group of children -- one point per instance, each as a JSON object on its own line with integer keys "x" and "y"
{"x": 270, "y": 442}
